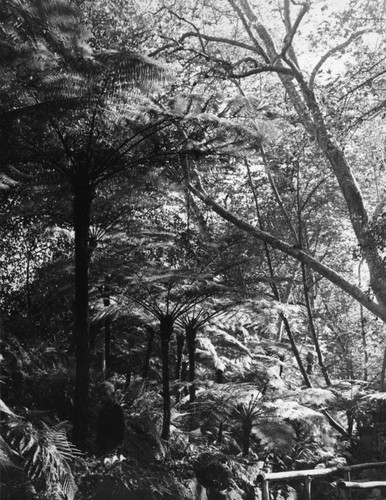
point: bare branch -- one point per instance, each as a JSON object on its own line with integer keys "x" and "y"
{"x": 219, "y": 39}
{"x": 278, "y": 197}
{"x": 291, "y": 30}
{"x": 368, "y": 81}
{"x": 259, "y": 48}
{"x": 331, "y": 52}
{"x": 262, "y": 69}
{"x": 371, "y": 112}
{"x": 180, "y": 18}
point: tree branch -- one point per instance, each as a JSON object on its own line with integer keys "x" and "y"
{"x": 199, "y": 36}
{"x": 256, "y": 44}
{"x": 278, "y": 197}
{"x": 209, "y": 38}
{"x": 291, "y": 30}
{"x": 293, "y": 93}
{"x": 262, "y": 69}
{"x": 331, "y": 52}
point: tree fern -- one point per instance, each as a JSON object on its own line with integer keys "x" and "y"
{"x": 58, "y": 117}
{"x": 46, "y": 452}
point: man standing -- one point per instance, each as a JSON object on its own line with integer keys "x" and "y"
{"x": 111, "y": 420}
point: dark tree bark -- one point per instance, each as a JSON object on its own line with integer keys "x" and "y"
{"x": 149, "y": 350}
{"x": 107, "y": 342}
{"x": 81, "y": 213}
{"x": 220, "y": 432}
{"x": 180, "y": 348}
{"x": 166, "y": 331}
{"x": 219, "y": 376}
{"x": 246, "y": 430}
{"x": 295, "y": 350}
{"x": 191, "y": 334}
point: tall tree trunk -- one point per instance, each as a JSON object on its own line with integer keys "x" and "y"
{"x": 282, "y": 319}
{"x": 149, "y": 350}
{"x": 305, "y": 103}
{"x": 166, "y": 331}
{"x": 81, "y": 212}
{"x": 363, "y": 329}
{"x": 295, "y": 350}
{"x": 364, "y": 344}
{"x": 311, "y": 323}
{"x": 27, "y": 283}
{"x": 107, "y": 347}
{"x": 191, "y": 334}
{"x": 382, "y": 387}
{"x": 106, "y": 302}
{"x": 180, "y": 349}
{"x": 246, "y": 433}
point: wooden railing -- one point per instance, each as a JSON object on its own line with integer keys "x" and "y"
{"x": 345, "y": 484}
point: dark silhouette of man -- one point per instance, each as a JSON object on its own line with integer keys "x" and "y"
{"x": 111, "y": 420}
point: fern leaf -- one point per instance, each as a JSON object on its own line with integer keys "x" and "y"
{"x": 4, "y": 409}
{"x": 6, "y": 455}
{"x": 26, "y": 444}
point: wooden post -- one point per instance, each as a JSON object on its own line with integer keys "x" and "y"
{"x": 347, "y": 477}
{"x": 344, "y": 493}
{"x": 265, "y": 489}
{"x": 307, "y": 484}
{"x": 308, "y": 475}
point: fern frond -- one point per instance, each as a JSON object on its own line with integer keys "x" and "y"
{"x": 7, "y": 455}
{"x": 4, "y": 409}
{"x": 47, "y": 455}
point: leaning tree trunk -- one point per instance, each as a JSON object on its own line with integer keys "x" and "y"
{"x": 166, "y": 331}
{"x": 302, "y": 96}
{"x": 274, "y": 286}
{"x": 306, "y": 290}
{"x": 295, "y": 351}
{"x": 81, "y": 213}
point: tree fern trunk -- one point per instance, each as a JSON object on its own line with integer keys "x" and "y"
{"x": 191, "y": 333}
{"x": 149, "y": 350}
{"x": 247, "y": 430}
{"x": 81, "y": 213}
{"x": 107, "y": 370}
{"x": 166, "y": 331}
{"x": 107, "y": 347}
{"x": 180, "y": 348}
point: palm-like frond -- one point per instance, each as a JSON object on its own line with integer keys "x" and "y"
{"x": 7, "y": 455}
{"x": 47, "y": 455}
{"x": 47, "y": 65}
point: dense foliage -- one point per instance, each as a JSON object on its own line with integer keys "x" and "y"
{"x": 192, "y": 208}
